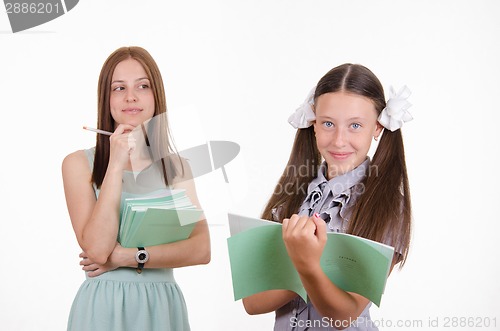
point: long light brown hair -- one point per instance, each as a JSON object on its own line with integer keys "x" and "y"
{"x": 159, "y": 138}
{"x": 383, "y": 212}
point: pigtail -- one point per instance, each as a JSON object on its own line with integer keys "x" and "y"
{"x": 383, "y": 212}
{"x": 300, "y": 170}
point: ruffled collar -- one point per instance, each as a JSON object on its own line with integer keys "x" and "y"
{"x": 333, "y": 199}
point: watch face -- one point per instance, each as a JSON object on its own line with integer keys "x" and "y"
{"x": 142, "y": 256}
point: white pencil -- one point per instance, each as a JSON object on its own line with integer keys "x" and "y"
{"x": 107, "y": 133}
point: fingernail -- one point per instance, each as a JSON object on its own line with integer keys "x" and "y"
{"x": 316, "y": 215}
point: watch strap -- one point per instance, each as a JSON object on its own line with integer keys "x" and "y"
{"x": 140, "y": 265}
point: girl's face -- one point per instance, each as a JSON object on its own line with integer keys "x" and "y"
{"x": 131, "y": 100}
{"x": 345, "y": 126}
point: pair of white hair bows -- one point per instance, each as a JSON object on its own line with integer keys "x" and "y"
{"x": 392, "y": 116}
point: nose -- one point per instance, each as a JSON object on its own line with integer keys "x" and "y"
{"x": 130, "y": 96}
{"x": 338, "y": 138}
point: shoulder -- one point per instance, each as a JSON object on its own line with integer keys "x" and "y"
{"x": 76, "y": 156}
{"x": 75, "y": 162}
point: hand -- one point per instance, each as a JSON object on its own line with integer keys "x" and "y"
{"x": 121, "y": 146}
{"x": 95, "y": 269}
{"x": 305, "y": 238}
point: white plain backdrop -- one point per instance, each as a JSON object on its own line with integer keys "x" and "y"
{"x": 235, "y": 71}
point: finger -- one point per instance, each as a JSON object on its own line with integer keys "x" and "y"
{"x": 301, "y": 224}
{"x": 86, "y": 262}
{"x": 293, "y": 221}
{"x": 285, "y": 223}
{"x": 304, "y": 223}
{"x": 90, "y": 267}
{"x": 320, "y": 227}
{"x": 94, "y": 273}
{"x": 123, "y": 128}
{"x": 290, "y": 224}
{"x": 308, "y": 227}
{"x": 97, "y": 272}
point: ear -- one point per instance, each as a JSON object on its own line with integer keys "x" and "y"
{"x": 378, "y": 130}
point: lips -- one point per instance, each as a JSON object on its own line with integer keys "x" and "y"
{"x": 340, "y": 156}
{"x": 132, "y": 110}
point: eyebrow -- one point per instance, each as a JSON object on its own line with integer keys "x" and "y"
{"x": 356, "y": 118}
{"x": 137, "y": 80}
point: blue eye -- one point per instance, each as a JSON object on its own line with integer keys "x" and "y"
{"x": 328, "y": 124}
{"x": 355, "y": 125}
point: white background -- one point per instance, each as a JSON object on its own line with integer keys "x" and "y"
{"x": 235, "y": 71}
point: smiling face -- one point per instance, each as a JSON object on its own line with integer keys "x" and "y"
{"x": 131, "y": 100}
{"x": 345, "y": 126}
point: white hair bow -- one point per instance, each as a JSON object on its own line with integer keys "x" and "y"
{"x": 304, "y": 116}
{"x": 396, "y": 112}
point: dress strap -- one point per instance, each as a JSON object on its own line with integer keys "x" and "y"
{"x": 90, "y": 153}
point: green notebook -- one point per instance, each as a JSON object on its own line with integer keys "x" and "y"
{"x": 259, "y": 261}
{"x": 159, "y": 219}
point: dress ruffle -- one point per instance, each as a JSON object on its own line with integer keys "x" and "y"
{"x": 333, "y": 199}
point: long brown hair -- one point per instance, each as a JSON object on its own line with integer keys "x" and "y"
{"x": 383, "y": 212}
{"x": 163, "y": 145}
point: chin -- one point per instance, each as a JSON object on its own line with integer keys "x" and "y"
{"x": 340, "y": 168}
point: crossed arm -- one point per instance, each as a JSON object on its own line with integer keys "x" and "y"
{"x": 96, "y": 222}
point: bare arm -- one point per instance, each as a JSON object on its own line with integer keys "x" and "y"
{"x": 267, "y": 301}
{"x": 96, "y": 222}
{"x": 87, "y": 217}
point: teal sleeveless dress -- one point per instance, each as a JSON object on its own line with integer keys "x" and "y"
{"x": 122, "y": 299}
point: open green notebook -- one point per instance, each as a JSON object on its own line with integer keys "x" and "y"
{"x": 158, "y": 219}
{"x": 260, "y": 262}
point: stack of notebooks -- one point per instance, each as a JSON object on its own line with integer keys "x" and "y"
{"x": 157, "y": 219}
